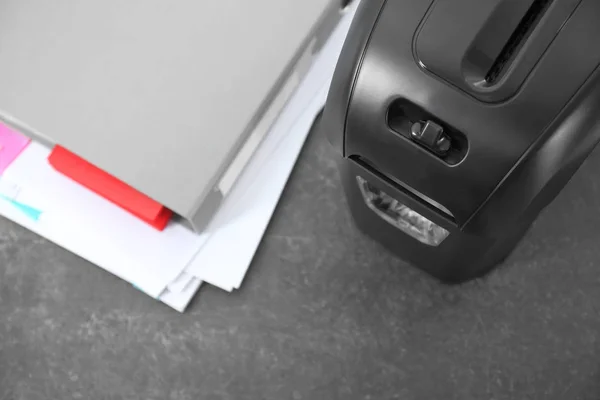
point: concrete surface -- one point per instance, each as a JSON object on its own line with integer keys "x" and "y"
{"x": 324, "y": 314}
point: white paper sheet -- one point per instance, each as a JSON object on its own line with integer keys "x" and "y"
{"x": 94, "y": 228}
{"x": 228, "y": 252}
{"x": 237, "y": 230}
{"x": 179, "y": 300}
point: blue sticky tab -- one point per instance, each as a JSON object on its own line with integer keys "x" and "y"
{"x": 31, "y": 212}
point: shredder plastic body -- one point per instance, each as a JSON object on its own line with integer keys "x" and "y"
{"x": 514, "y": 85}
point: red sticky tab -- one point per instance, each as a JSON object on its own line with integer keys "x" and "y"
{"x": 110, "y": 187}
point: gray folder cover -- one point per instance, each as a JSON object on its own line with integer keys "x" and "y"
{"x": 158, "y": 93}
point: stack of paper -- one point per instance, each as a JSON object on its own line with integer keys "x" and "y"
{"x": 170, "y": 265}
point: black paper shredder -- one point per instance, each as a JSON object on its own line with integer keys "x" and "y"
{"x": 457, "y": 121}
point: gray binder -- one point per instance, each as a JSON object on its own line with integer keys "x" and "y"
{"x": 161, "y": 94}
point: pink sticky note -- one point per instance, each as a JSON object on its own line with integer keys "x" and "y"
{"x": 11, "y": 145}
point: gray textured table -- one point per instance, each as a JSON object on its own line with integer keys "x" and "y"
{"x": 323, "y": 314}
